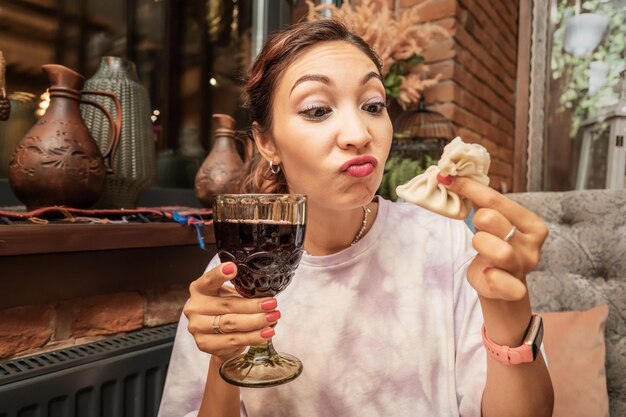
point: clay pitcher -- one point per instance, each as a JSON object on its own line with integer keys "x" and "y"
{"x": 57, "y": 162}
{"x": 221, "y": 171}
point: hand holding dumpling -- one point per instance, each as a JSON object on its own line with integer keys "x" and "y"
{"x": 458, "y": 159}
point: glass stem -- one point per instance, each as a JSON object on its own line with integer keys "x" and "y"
{"x": 259, "y": 354}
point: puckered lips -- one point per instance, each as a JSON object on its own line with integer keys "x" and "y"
{"x": 361, "y": 166}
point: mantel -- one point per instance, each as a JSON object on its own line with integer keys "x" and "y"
{"x": 49, "y": 263}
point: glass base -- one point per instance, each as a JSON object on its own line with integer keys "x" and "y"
{"x": 261, "y": 366}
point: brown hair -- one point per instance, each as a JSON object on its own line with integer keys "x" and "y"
{"x": 278, "y": 53}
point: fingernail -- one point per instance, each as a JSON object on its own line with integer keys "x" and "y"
{"x": 269, "y": 305}
{"x": 267, "y": 333}
{"x": 228, "y": 269}
{"x": 272, "y": 317}
{"x": 445, "y": 180}
{"x": 487, "y": 268}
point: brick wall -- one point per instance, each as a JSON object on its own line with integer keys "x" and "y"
{"x": 31, "y": 329}
{"x": 478, "y": 68}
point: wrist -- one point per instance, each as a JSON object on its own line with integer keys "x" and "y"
{"x": 506, "y": 321}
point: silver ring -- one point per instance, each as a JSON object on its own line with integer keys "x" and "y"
{"x": 509, "y": 235}
{"x": 216, "y": 325}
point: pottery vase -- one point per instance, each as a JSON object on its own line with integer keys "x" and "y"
{"x": 134, "y": 165}
{"x": 221, "y": 171}
{"x": 57, "y": 162}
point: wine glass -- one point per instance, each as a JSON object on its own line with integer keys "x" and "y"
{"x": 263, "y": 234}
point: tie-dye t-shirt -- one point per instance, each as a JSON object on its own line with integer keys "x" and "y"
{"x": 387, "y": 327}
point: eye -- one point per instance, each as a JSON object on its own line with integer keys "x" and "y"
{"x": 374, "y": 108}
{"x": 316, "y": 113}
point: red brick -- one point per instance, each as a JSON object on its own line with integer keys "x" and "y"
{"x": 440, "y": 50}
{"x": 464, "y": 118}
{"x": 486, "y": 21}
{"x": 481, "y": 64}
{"x": 164, "y": 306}
{"x": 444, "y": 68}
{"x": 24, "y": 328}
{"x": 411, "y": 3}
{"x": 488, "y": 35}
{"x": 436, "y": 9}
{"x": 484, "y": 92}
{"x": 107, "y": 314}
{"x": 496, "y": 19}
{"x": 502, "y": 168}
{"x": 443, "y": 91}
{"x": 447, "y": 23}
{"x": 468, "y": 135}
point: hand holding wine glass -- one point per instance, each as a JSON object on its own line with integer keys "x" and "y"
{"x": 263, "y": 235}
{"x": 242, "y": 322}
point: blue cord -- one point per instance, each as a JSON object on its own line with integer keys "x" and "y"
{"x": 190, "y": 220}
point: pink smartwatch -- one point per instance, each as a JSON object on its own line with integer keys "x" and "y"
{"x": 526, "y": 352}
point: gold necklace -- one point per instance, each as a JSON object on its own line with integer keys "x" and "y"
{"x": 359, "y": 234}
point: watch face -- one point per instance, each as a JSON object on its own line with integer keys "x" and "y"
{"x": 534, "y": 335}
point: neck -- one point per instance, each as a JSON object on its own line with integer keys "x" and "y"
{"x": 330, "y": 231}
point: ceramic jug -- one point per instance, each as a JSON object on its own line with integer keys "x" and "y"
{"x": 135, "y": 162}
{"x": 221, "y": 171}
{"x": 57, "y": 162}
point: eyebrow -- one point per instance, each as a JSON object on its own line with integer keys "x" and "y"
{"x": 311, "y": 77}
{"x": 325, "y": 80}
{"x": 371, "y": 75}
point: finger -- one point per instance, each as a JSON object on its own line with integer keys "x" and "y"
{"x": 229, "y": 342}
{"x": 495, "y": 283}
{"x": 231, "y": 323}
{"x": 213, "y": 306}
{"x": 211, "y": 281}
{"x": 496, "y": 252}
{"x": 483, "y": 196}
{"x": 492, "y": 221}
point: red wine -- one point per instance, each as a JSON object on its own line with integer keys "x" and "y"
{"x": 266, "y": 254}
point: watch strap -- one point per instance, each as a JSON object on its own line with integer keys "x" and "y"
{"x": 525, "y": 353}
{"x": 506, "y": 354}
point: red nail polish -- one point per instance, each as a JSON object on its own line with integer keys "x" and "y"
{"x": 487, "y": 268}
{"x": 272, "y": 317}
{"x": 445, "y": 180}
{"x": 267, "y": 333}
{"x": 228, "y": 269}
{"x": 269, "y": 305}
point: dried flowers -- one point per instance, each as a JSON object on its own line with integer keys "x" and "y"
{"x": 399, "y": 41}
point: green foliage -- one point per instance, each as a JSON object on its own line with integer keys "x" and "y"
{"x": 399, "y": 170}
{"x": 573, "y": 71}
{"x": 397, "y": 72}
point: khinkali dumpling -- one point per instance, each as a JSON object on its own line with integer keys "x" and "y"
{"x": 458, "y": 159}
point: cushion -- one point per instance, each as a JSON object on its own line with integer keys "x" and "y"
{"x": 575, "y": 350}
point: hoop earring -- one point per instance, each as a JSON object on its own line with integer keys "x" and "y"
{"x": 274, "y": 170}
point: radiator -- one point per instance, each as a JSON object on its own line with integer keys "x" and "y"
{"x": 121, "y": 376}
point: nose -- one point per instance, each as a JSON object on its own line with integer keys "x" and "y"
{"x": 353, "y": 130}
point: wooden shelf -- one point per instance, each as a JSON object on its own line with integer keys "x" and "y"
{"x": 26, "y": 239}
{"x": 46, "y": 264}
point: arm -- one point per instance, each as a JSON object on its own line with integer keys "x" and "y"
{"x": 220, "y": 398}
{"x": 241, "y": 323}
{"x": 498, "y": 274}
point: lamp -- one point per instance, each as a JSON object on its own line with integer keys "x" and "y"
{"x": 584, "y": 32}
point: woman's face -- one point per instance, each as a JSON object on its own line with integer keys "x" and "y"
{"x": 331, "y": 131}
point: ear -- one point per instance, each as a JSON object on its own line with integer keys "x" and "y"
{"x": 265, "y": 144}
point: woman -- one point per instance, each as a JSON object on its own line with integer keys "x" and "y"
{"x": 387, "y": 306}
